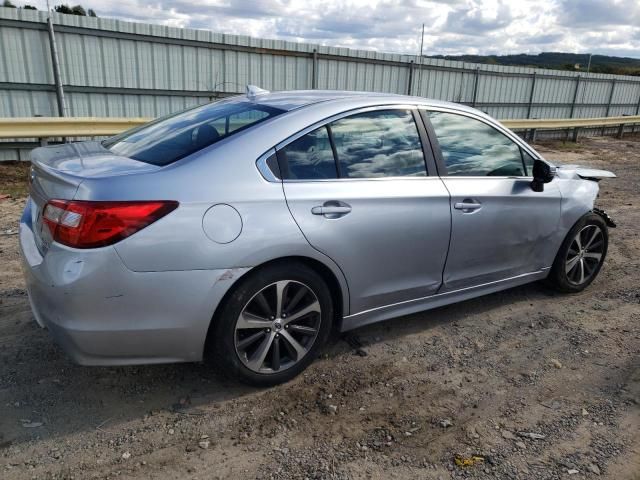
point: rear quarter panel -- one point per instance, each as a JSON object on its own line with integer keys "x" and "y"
{"x": 226, "y": 174}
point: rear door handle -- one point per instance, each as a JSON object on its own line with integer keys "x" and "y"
{"x": 467, "y": 205}
{"x": 331, "y": 209}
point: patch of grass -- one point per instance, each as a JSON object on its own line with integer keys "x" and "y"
{"x": 14, "y": 179}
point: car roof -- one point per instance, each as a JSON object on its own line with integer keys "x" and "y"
{"x": 294, "y": 99}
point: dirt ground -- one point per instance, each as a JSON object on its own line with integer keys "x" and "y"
{"x": 523, "y": 384}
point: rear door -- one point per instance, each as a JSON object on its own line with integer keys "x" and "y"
{"x": 358, "y": 187}
{"x": 500, "y": 226}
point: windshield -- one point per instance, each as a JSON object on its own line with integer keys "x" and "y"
{"x": 171, "y": 138}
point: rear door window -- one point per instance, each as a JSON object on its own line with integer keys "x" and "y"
{"x": 172, "y": 138}
{"x": 310, "y": 157}
{"x": 381, "y": 143}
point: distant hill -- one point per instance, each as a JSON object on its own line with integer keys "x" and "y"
{"x": 557, "y": 61}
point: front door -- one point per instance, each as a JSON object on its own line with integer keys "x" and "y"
{"x": 359, "y": 190}
{"x": 500, "y": 226}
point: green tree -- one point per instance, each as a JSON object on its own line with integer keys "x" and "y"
{"x": 29, "y": 7}
{"x": 8, "y": 4}
{"x": 78, "y": 10}
{"x": 75, "y": 10}
{"x": 63, "y": 9}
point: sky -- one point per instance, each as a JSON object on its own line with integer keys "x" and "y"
{"x": 452, "y": 27}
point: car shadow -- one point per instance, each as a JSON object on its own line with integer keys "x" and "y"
{"x": 423, "y": 321}
{"x": 44, "y": 396}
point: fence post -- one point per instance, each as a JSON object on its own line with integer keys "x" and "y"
{"x": 613, "y": 87}
{"x": 475, "y": 87}
{"x": 533, "y": 89}
{"x": 575, "y": 96}
{"x": 314, "y": 70}
{"x": 410, "y": 82}
{"x": 56, "y": 68}
{"x": 633, "y": 130}
{"x": 573, "y": 104}
{"x": 576, "y": 132}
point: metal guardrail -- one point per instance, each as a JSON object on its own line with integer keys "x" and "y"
{"x": 531, "y": 126}
{"x": 48, "y": 127}
{"x": 562, "y": 123}
{"x": 51, "y": 127}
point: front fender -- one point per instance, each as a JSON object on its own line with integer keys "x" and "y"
{"x": 578, "y": 197}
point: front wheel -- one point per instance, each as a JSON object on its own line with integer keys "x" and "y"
{"x": 581, "y": 255}
{"x": 272, "y": 325}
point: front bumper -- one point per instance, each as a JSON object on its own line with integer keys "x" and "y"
{"x": 102, "y": 313}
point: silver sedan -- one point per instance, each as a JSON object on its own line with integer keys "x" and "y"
{"x": 245, "y": 231}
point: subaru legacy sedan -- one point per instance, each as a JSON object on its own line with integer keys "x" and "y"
{"x": 245, "y": 231}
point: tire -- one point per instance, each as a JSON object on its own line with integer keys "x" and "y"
{"x": 573, "y": 269}
{"x": 247, "y": 323}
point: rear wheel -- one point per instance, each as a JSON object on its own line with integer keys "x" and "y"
{"x": 273, "y": 324}
{"x": 581, "y": 255}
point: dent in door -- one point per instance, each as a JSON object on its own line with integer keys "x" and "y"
{"x": 391, "y": 245}
{"x": 512, "y": 233}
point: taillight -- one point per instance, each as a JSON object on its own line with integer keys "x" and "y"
{"x": 88, "y": 224}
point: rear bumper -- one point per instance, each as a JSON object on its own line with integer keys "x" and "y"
{"x": 102, "y": 313}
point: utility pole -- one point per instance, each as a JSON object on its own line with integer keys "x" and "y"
{"x": 419, "y": 82}
{"x": 56, "y": 66}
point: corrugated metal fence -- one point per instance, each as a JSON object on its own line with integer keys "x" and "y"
{"x": 123, "y": 69}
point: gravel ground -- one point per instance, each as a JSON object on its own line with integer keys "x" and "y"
{"x": 522, "y": 384}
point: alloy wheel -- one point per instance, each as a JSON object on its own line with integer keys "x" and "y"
{"x": 584, "y": 254}
{"x": 277, "y": 327}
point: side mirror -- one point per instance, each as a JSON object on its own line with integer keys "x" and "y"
{"x": 542, "y": 173}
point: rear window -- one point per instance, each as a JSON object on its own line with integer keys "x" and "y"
{"x": 171, "y": 138}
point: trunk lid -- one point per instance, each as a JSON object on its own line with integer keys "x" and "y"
{"x": 57, "y": 171}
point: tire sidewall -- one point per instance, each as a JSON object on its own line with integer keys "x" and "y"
{"x": 224, "y": 352}
{"x": 558, "y": 277}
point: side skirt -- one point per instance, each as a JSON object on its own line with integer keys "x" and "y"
{"x": 433, "y": 301}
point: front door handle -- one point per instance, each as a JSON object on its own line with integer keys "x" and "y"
{"x": 331, "y": 209}
{"x": 467, "y": 205}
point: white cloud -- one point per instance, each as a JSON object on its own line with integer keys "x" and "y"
{"x": 610, "y": 27}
